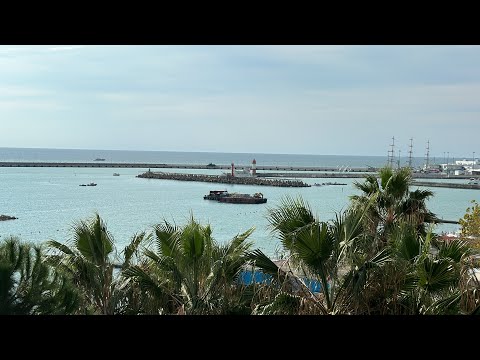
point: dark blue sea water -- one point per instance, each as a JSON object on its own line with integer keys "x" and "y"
{"x": 171, "y": 157}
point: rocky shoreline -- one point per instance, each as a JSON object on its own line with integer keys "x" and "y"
{"x": 6, "y": 217}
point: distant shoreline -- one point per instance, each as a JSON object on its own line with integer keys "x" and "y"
{"x": 288, "y": 171}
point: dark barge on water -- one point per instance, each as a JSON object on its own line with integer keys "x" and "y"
{"x": 89, "y": 184}
{"x": 225, "y": 197}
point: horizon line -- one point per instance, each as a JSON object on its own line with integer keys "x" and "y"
{"x": 185, "y": 151}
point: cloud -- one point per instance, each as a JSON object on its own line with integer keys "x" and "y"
{"x": 299, "y": 98}
{"x": 22, "y": 91}
{"x": 66, "y": 48}
{"x": 26, "y": 105}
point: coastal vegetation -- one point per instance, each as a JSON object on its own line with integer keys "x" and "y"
{"x": 29, "y": 285}
{"x": 378, "y": 256}
{"x": 470, "y": 225}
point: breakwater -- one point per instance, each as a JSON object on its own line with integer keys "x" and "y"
{"x": 302, "y": 171}
{"x": 223, "y": 179}
{"x": 306, "y": 175}
{"x": 445, "y": 185}
{"x": 102, "y": 164}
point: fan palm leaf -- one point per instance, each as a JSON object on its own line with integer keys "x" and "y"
{"x": 30, "y": 285}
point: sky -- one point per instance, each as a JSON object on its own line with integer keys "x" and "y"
{"x": 325, "y": 100}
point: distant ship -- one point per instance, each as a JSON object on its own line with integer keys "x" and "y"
{"x": 99, "y": 159}
{"x": 116, "y": 174}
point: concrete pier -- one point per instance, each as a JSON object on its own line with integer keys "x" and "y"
{"x": 103, "y": 164}
{"x": 445, "y": 185}
{"x": 293, "y": 171}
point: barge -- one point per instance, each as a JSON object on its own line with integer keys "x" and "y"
{"x": 89, "y": 184}
{"x": 224, "y": 196}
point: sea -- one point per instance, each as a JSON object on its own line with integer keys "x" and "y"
{"x": 48, "y": 201}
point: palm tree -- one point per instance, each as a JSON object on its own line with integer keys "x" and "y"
{"x": 319, "y": 251}
{"x": 89, "y": 261}
{"x": 394, "y": 202}
{"x": 423, "y": 275}
{"x": 189, "y": 272}
{"x": 29, "y": 285}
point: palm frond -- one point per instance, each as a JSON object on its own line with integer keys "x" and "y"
{"x": 132, "y": 247}
{"x": 92, "y": 240}
{"x": 398, "y": 184}
{"x": 420, "y": 195}
{"x": 369, "y": 187}
{"x": 59, "y": 246}
{"x": 146, "y": 281}
{"x": 193, "y": 240}
{"x": 165, "y": 236}
{"x": 454, "y": 249}
{"x": 385, "y": 175}
{"x": 446, "y": 305}
{"x": 407, "y": 242}
{"x": 314, "y": 246}
{"x": 283, "y": 304}
{"x": 290, "y": 217}
{"x": 262, "y": 261}
{"x": 152, "y": 255}
{"x": 435, "y": 275}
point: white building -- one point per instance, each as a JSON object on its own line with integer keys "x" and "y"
{"x": 466, "y": 162}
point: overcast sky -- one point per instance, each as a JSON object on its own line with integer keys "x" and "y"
{"x": 346, "y": 100}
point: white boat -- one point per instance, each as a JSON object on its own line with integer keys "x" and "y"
{"x": 474, "y": 181}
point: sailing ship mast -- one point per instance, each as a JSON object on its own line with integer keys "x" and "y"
{"x": 391, "y": 153}
{"x": 427, "y": 155}
{"x": 410, "y": 154}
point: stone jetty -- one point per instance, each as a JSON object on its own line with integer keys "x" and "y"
{"x": 223, "y": 179}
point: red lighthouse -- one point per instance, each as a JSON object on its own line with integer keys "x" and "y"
{"x": 233, "y": 170}
{"x": 254, "y": 167}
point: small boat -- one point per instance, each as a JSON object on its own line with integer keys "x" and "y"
{"x": 99, "y": 159}
{"x": 89, "y": 184}
{"x": 474, "y": 181}
{"x": 116, "y": 174}
{"x": 7, "y": 217}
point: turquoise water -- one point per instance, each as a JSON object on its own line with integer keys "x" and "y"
{"x": 48, "y": 200}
